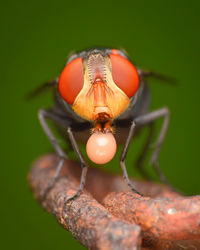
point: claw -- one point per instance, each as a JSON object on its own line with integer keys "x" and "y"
{"x": 76, "y": 195}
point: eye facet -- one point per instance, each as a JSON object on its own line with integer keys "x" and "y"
{"x": 71, "y": 80}
{"x": 124, "y": 74}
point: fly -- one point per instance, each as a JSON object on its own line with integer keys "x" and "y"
{"x": 100, "y": 91}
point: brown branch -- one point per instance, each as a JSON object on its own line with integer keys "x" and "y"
{"x": 164, "y": 221}
{"x": 116, "y": 220}
{"x": 90, "y": 223}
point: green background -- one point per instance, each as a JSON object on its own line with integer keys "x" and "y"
{"x": 36, "y": 38}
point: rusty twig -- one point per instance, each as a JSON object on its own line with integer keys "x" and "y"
{"x": 104, "y": 217}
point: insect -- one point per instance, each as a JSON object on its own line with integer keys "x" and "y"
{"x": 99, "y": 91}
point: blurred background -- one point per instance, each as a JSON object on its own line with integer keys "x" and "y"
{"x": 36, "y": 38}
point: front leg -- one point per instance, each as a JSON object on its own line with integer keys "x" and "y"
{"x": 83, "y": 164}
{"x": 123, "y": 157}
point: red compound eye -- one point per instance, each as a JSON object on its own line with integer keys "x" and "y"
{"x": 71, "y": 80}
{"x": 124, "y": 74}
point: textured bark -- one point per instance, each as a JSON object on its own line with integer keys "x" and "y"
{"x": 108, "y": 216}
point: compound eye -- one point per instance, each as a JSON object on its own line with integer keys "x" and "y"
{"x": 71, "y": 80}
{"x": 124, "y": 74}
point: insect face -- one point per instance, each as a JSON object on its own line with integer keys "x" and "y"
{"x": 99, "y": 88}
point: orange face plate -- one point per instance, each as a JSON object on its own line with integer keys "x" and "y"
{"x": 102, "y": 95}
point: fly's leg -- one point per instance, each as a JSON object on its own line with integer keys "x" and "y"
{"x": 123, "y": 156}
{"x": 139, "y": 163}
{"x": 149, "y": 118}
{"x": 43, "y": 115}
{"x": 83, "y": 164}
{"x": 146, "y": 73}
{"x": 42, "y": 88}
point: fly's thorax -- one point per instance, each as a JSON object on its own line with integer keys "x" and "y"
{"x": 99, "y": 93}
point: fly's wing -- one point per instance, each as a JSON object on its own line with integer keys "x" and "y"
{"x": 147, "y": 73}
{"x": 42, "y": 88}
